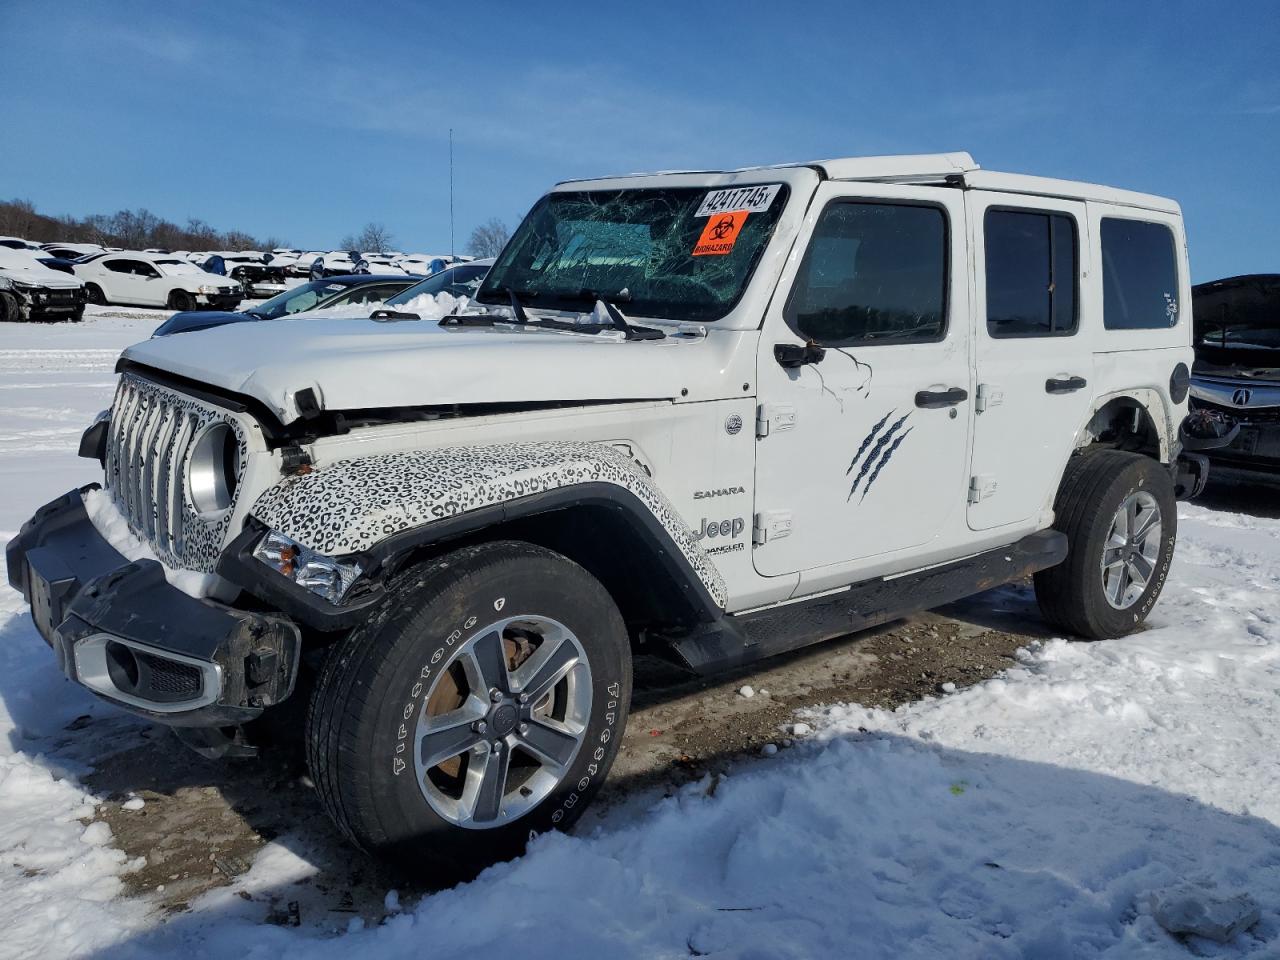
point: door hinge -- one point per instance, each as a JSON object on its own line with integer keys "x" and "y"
{"x": 981, "y": 487}
{"x": 771, "y": 525}
{"x": 774, "y": 418}
{"x": 987, "y": 395}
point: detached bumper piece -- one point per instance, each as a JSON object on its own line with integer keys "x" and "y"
{"x": 120, "y": 629}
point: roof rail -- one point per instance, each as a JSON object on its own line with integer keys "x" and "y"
{"x": 917, "y": 167}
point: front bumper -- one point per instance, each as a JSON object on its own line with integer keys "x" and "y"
{"x": 47, "y": 300}
{"x": 121, "y": 630}
{"x": 265, "y": 288}
{"x": 220, "y": 301}
{"x": 1256, "y": 445}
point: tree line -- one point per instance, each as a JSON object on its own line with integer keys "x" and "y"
{"x": 141, "y": 229}
{"x": 130, "y": 229}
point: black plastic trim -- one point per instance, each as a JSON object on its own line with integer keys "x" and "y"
{"x": 78, "y": 585}
{"x": 239, "y": 566}
{"x": 736, "y": 639}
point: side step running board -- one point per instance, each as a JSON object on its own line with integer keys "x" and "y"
{"x": 733, "y": 640}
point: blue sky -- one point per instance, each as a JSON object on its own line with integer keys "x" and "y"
{"x": 306, "y": 121}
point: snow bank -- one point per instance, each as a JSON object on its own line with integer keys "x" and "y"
{"x": 1031, "y": 816}
{"x": 426, "y": 306}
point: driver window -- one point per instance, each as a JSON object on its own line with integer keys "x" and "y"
{"x": 874, "y": 273}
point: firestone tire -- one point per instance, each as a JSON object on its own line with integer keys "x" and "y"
{"x": 373, "y": 718}
{"x": 1114, "y": 571}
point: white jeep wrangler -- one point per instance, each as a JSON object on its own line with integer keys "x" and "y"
{"x": 714, "y": 415}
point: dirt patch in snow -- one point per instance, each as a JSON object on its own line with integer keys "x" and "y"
{"x": 201, "y": 823}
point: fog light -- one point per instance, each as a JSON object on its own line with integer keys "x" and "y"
{"x": 312, "y": 571}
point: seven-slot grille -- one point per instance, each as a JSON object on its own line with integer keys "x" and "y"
{"x": 149, "y": 443}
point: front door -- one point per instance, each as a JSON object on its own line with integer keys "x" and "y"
{"x": 1034, "y": 363}
{"x": 862, "y": 454}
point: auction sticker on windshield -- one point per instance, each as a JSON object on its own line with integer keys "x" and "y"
{"x": 720, "y": 234}
{"x": 753, "y": 199}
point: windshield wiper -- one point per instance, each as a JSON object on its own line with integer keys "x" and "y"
{"x": 615, "y": 315}
{"x": 517, "y": 308}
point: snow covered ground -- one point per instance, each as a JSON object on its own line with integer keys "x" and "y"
{"x": 1029, "y": 816}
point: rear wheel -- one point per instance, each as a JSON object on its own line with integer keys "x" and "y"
{"x": 482, "y": 704}
{"x": 180, "y": 300}
{"x": 1120, "y": 517}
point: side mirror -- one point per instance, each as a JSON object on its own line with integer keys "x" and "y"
{"x": 791, "y": 355}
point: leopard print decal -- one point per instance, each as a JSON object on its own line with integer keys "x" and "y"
{"x": 353, "y": 504}
{"x": 172, "y": 422}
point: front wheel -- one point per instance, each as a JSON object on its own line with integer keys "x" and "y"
{"x": 482, "y": 704}
{"x": 1120, "y": 516}
{"x": 9, "y": 311}
{"x": 93, "y": 293}
{"x": 181, "y": 301}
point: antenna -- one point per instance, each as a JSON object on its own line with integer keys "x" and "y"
{"x": 451, "y": 250}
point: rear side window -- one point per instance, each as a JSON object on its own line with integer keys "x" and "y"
{"x": 873, "y": 273}
{"x": 1031, "y": 273}
{"x": 1139, "y": 275}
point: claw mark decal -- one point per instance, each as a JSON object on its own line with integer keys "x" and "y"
{"x": 878, "y": 455}
{"x": 867, "y": 441}
{"x": 883, "y": 460}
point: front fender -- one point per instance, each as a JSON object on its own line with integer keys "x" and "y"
{"x": 352, "y": 506}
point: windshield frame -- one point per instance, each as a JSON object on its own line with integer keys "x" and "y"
{"x": 490, "y": 293}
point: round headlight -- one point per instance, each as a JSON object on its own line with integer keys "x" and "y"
{"x": 214, "y": 469}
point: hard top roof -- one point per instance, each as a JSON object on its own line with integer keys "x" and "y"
{"x": 959, "y": 168}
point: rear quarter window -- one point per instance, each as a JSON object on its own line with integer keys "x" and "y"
{"x": 1139, "y": 275}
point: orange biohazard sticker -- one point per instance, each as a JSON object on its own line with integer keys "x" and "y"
{"x": 720, "y": 233}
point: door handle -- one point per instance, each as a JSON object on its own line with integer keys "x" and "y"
{"x": 935, "y": 399}
{"x": 1069, "y": 385}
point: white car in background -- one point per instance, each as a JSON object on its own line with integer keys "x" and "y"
{"x": 155, "y": 280}
{"x": 29, "y": 289}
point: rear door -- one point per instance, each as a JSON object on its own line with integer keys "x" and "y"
{"x": 121, "y": 282}
{"x": 862, "y": 455}
{"x": 1035, "y": 366}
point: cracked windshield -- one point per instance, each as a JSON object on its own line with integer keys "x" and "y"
{"x": 681, "y": 254}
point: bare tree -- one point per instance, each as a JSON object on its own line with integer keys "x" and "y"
{"x": 238, "y": 240}
{"x": 374, "y": 238}
{"x": 18, "y": 217}
{"x": 488, "y": 239}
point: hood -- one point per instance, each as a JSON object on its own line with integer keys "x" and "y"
{"x": 360, "y": 364}
{"x": 36, "y": 272}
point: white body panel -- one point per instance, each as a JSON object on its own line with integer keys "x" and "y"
{"x": 685, "y": 407}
